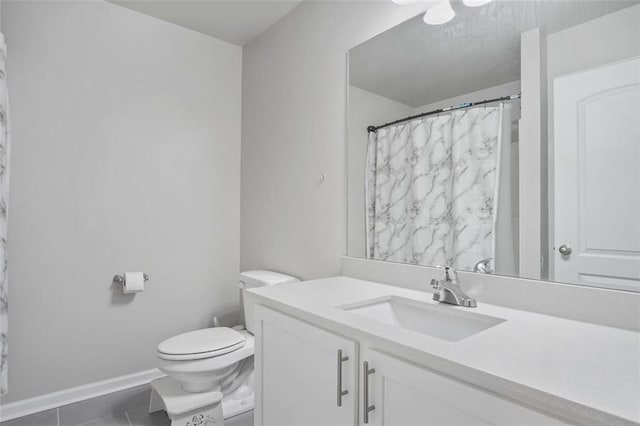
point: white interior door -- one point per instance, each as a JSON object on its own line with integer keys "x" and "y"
{"x": 597, "y": 177}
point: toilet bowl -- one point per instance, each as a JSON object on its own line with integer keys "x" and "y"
{"x": 219, "y": 358}
{"x": 207, "y": 359}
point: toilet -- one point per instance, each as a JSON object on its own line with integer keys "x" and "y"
{"x": 210, "y": 371}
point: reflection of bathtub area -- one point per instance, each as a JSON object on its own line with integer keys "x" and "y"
{"x": 368, "y": 108}
{"x": 507, "y": 223}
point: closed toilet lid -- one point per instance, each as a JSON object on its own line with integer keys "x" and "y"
{"x": 198, "y": 344}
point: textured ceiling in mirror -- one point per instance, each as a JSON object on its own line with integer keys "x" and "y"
{"x": 487, "y": 37}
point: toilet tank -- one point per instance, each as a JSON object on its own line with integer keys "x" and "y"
{"x": 254, "y": 279}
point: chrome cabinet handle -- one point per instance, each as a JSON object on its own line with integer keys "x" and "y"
{"x": 366, "y": 409}
{"x": 341, "y": 392}
{"x": 565, "y": 250}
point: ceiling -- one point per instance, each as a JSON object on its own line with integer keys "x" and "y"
{"x": 419, "y": 64}
{"x": 235, "y": 21}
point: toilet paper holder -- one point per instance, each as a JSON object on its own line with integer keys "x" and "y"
{"x": 120, "y": 278}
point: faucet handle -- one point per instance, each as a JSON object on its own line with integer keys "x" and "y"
{"x": 450, "y": 274}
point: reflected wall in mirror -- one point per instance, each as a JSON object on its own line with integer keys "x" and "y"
{"x": 542, "y": 181}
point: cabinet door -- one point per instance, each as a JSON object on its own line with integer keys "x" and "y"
{"x": 404, "y": 394}
{"x": 297, "y": 372}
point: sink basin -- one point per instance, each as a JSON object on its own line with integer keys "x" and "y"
{"x": 436, "y": 320}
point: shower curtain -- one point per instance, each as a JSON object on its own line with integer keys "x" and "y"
{"x": 432, "y": 189}
{"x": 4, "y": 199}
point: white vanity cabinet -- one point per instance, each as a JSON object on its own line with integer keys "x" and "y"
{"x": 400, "y": 393}
{"x": 299, "y": 378}
{"x": 304, "y": 375}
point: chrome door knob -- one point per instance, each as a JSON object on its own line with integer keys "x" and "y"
{"x": 565, "y": 249}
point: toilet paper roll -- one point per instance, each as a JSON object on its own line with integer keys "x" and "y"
{"x": 133, "y": 282}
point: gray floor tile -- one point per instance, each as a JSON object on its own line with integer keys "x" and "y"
{"x": 244, "y": 419}
{"x": 141, "y": 417}
{"x": 44, "y": 418}
{"x": 104, "y": 406}
{"x": 116, "y": 420}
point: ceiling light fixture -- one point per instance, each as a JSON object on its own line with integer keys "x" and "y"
{"x": 475, "y": 3}
{"x": 439, "y": 14}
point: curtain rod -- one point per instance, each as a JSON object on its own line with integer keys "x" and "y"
{"x": 438, "y": 111}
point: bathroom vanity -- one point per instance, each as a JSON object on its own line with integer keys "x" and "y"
{"x": 343, "y": 351}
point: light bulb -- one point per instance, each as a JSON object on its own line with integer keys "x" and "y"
{"x": 404, "y": 2}
{"x": 475, "y": 3}
{"x": 439, "y": 14}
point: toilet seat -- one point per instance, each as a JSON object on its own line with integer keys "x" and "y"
{"x": 200, "y": 344}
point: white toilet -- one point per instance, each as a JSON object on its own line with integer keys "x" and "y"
{"x": 218, "y": 359}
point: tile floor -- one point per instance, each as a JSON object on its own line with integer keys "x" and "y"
{"x": 126, "y": 408}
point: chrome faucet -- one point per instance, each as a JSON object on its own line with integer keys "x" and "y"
{"x": 449, "y": 291}
{"x": 483, "y": 267}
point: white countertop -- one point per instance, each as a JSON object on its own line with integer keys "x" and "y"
{"x": 585, "y": 372}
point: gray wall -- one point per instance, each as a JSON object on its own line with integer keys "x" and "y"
{"x": 126, "y": 157}
{"x": 293, "y": 130}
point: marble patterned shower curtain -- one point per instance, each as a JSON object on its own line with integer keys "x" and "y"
{"x": 432, "y": 189}
{"x": 4, "y": 199}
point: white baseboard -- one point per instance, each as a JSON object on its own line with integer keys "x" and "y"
{"x": 79, "y": 393}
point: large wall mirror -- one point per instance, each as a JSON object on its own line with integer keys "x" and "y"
{"x": 505, "y": 141}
